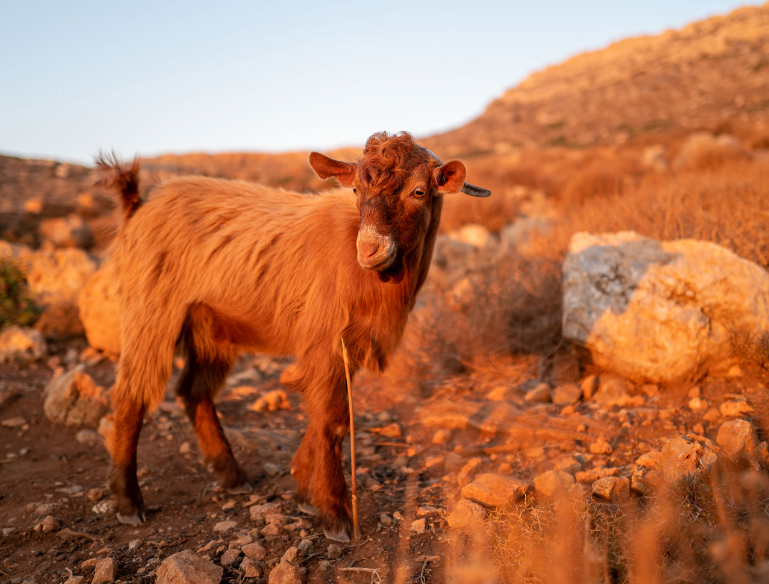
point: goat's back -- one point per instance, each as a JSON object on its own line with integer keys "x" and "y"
{"x": 241, "y": 248}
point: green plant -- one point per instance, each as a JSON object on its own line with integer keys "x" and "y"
{"x": 16, "y": 303}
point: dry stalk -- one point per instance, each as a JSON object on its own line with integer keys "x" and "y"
{"x": 355, "y": 524}
{"x": 373, "y": 571}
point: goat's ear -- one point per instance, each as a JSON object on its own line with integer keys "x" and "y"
{"x": 326, "y": 167}
{"x": 450, "y": 178}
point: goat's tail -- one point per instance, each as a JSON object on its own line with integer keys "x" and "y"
{"x": 122, "y": 178}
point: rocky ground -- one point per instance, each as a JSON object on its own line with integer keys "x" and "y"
{"x": 428, "y": 469}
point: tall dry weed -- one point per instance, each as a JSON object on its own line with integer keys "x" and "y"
{"x": 702, "y": 528}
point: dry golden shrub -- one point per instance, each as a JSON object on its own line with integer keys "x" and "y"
{"x": 702, "y": 528}
{"x": 726, "y": 205}
{"x": 480, "y": 309}
{"x": 493, "y": 212}
{"x": 704, "y": 151}
{"x": 600, "y": 178}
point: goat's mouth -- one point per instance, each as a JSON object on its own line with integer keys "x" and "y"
{"x": 378, "y": 262}
{"x": 375, "y": 251}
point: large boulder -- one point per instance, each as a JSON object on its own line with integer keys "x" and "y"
{"x": 55, "y": 280}
{"x": 659, "y": 311}
{"x": 100, "y": 310}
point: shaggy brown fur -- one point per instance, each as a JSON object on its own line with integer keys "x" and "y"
{"x": 222, "y": 266}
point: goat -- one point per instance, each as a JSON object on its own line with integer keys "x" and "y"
{"x": 222, "y": 266}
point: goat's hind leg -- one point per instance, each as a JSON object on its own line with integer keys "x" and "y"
{"x": 197, "y": 387}
{"x": 121, "y": 442}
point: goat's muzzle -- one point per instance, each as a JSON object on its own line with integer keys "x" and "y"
{"x": 375, "y": 251}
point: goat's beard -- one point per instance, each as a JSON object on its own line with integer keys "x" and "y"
{"x": 395, "y": 272}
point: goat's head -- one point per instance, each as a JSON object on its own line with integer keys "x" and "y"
{"x": 399, "y": 186}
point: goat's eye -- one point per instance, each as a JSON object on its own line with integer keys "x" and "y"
{"x": 354, "y": 190}
{"x": 419, "y": 193}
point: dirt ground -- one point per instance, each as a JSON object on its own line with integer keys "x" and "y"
{"x": 48, "y": 469}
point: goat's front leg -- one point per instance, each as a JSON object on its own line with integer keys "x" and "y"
{"x": 317, "y": 465}
{"x": 121, "y": 442}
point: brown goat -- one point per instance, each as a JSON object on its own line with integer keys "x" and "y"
{"x": 220, "y": 266}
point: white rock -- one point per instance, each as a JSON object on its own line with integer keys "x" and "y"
{"x": 334, "y": 551}
{"x": 738, "y": 441}
{"x": 612, "y": 488}
{"x": 250, "y": 568}
{"x": 87, "y": 436}
{"x": 472, "y": 234}
{"x": 553, "y": 482}
{"x": 651, "y": 459}
{"x": 612, "y": 391}
{"x": 659, "y": 311}
{"x": 466, "y": 515}
{"x": 105, "y": 571}
{"x": 21, "y": 344}
{"x": 99, "y": 310}
{"x": 69, "y": 231}
{"x": 493, "y": 490}
{"x": 735, "y": 408}
{"x": 225, "y": 525}
{"x": 188, "y": 568}
{"x": 229, "y": 556}
{"x": 75, "y": 400}
{"x": 254, "y": 550}
{"x": 291, "y": 555}
{"x": 685, "y": 455}
{"x": 284, "y": 573}
{"x": 567, "y": 394}
{"x": 258, "y": 512}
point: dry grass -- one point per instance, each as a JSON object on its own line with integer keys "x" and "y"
{"x": 702, "y": 528}
{"x": 726, "y": 205}
{"x": 494, "y": 307}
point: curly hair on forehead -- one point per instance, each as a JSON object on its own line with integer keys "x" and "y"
{"x": 389, "y": 159}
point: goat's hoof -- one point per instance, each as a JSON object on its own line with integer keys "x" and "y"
{"x": 135, "y": 519}
{"x": 339, "y": 534}
{"x": 243, "y": 489}
{"x": 307, "y": 508}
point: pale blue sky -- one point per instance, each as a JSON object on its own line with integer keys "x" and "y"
{"x": 153, "y": 77}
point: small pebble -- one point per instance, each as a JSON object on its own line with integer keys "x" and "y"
{"x": 291, "y": 555}
{"x": 334, "y": 552}
{"x": 385, "y": 520}
{"x": 271, "y": 530}
{"x": 95, "y": 495}
{"x": 229, "y": 556}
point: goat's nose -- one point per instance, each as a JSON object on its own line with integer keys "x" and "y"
{"x": 368, "y": 249}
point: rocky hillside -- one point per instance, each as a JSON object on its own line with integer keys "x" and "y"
{"x": 289, "y": 170}
{"x": 684, "y": 79}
